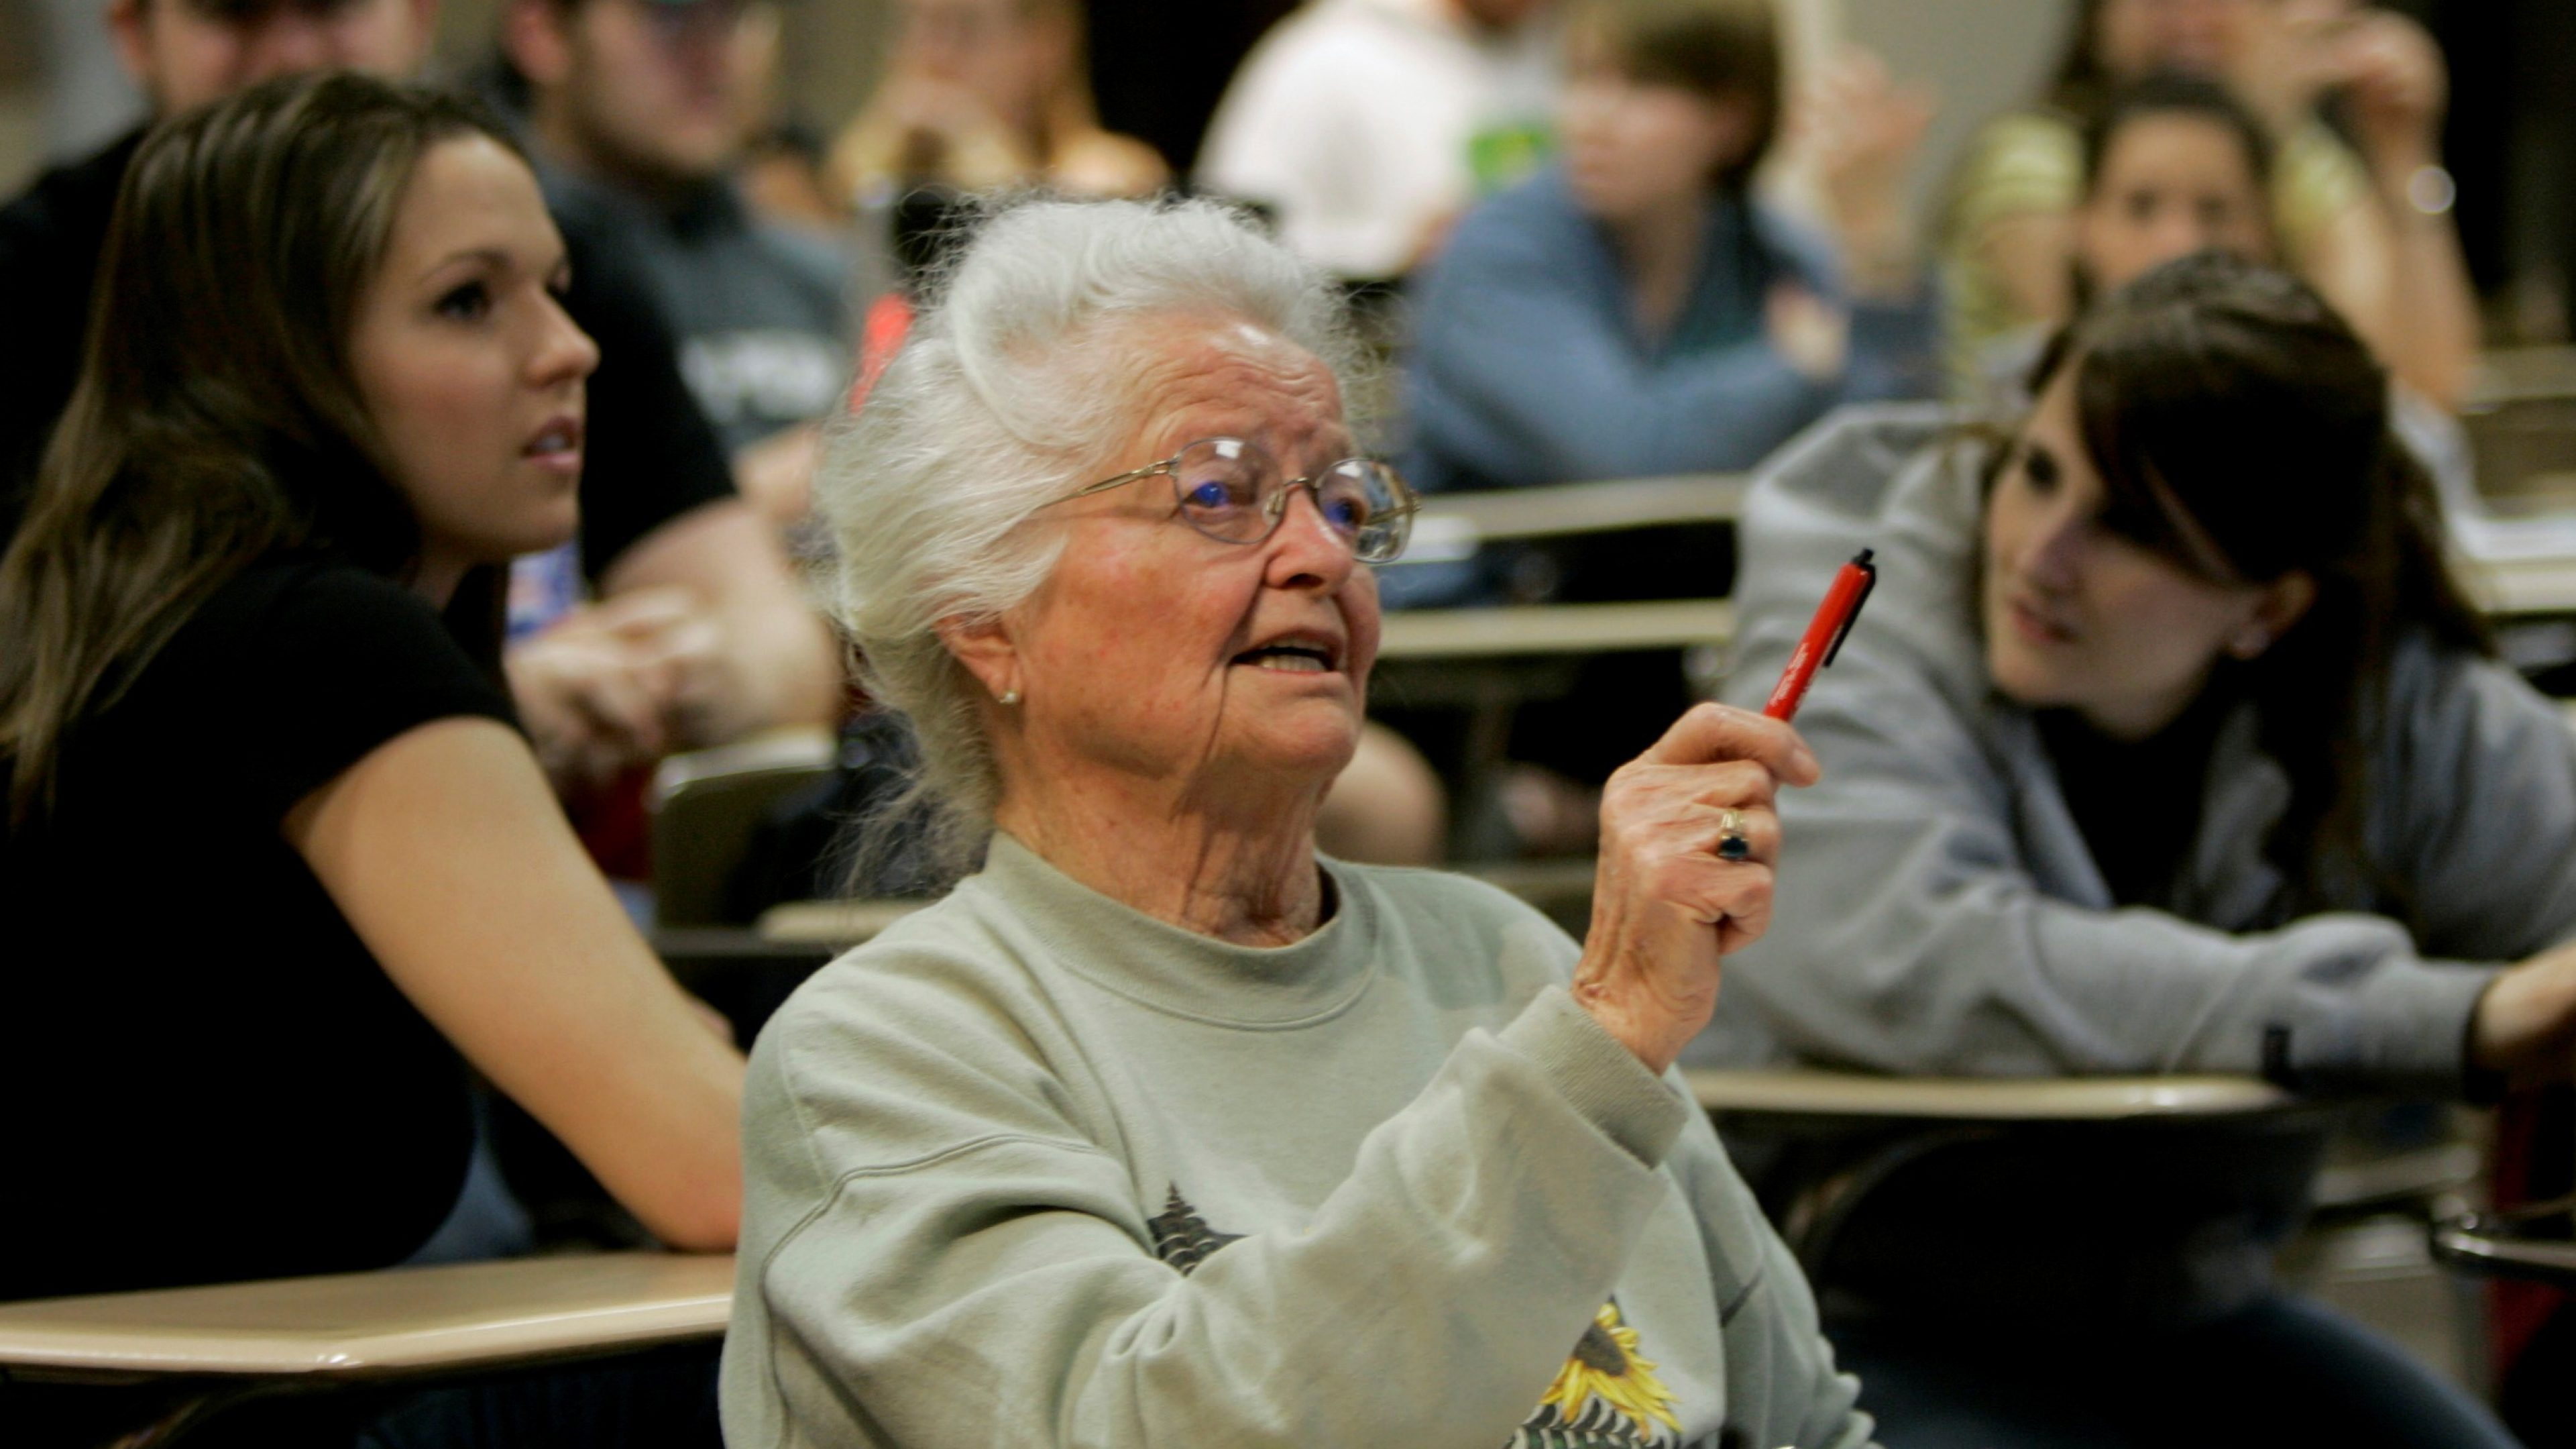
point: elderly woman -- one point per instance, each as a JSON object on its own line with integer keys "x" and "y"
{"x": 1161, "y": 1129}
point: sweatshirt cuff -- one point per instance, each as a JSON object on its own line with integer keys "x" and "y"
{"x": 1601, "y": 1078}
{"x": 2410, "y": 1030}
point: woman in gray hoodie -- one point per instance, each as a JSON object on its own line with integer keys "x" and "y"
{"x": 2168, "y": 746}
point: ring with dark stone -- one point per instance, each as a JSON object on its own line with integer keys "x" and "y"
{"x": 1731, "y": 844}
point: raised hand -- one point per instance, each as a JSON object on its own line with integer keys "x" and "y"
{"x": 1665, "y": 907}
{"x": 1865, "y": 130}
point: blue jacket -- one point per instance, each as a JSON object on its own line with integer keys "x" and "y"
{"x": 1528, "y": 369}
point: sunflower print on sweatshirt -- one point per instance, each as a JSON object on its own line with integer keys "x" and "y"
{"x": 1606, "y": 1396}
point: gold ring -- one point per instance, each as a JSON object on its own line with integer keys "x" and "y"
{"x": 1731, "y": 844}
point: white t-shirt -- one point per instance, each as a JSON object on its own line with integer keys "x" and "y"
{"x": 1363, "y": 123}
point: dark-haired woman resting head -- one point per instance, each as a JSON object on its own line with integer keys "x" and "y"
{"x": 278, "y": 869}
{"x": 2167, "y": 746}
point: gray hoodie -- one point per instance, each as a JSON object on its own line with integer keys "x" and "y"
{"x": 1940, "y": 913}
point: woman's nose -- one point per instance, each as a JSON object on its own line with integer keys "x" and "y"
{"x": 1306, "y": 550}
{"x": 565, "y": 353}
{"x": 2051, "y": 552}
{"x": 2180, "y": 233}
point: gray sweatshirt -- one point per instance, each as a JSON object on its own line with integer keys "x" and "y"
{"x": 1035, "y": 1169}
{"x": 1939, "y": 911}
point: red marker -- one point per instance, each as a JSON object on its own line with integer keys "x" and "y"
{"x": 1825, "y": 634}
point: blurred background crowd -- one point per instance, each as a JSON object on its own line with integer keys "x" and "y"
{"x": 1149, "y": 74}
{"x": 1638, "y": 241}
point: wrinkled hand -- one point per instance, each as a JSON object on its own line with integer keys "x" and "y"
{"x": 2525, "y": 1024}
{"x": 1811, "y": 334}
{"x": 1665, "y": 907}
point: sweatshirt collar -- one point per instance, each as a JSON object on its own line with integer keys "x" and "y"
{"x": 1165, "y": 968}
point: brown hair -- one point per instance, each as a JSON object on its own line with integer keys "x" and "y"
{"x": 1724, "y": 50}
{"x": 2081, "y": 84}
{"x": 216, "y": 420}
{"x": 2172, "y": 93}
{"x": 2241, "y": 431}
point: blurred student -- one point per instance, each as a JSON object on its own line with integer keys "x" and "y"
{"x": 1367, "y": 126}
{"x": 705, "y": 636}
{"x": 2175, "y": 164}
{"x": 2371, "y": 229}
{"x": 642, "y": 116}
{"x": 2172, "y": 164}
{"x": 1633, "y": 309}
{"x": 981, "y": 94}
{"x": 2167, "y": 745}
{"x": 332, "y": 388}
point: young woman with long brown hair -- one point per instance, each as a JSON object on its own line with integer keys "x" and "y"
{"x": 2168, "y": 745}
{"x": 328, "y": 389}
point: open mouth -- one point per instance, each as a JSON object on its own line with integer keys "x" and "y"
{"x": 2038, "y": 627}
{"x": 1291, "y": 656}
{"x": 559, "y": 440}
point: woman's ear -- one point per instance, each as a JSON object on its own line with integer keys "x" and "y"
{"x": 985, "y": 647}
{"x": 2280, "y": 604}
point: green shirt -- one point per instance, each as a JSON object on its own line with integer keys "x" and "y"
{"x": 1035, "y": 1169}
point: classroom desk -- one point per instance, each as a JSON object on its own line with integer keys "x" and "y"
{"x": 1572, "y": 508}
{"x": 2515, "y": 374}
{"x": 1547, "y": 629}
{"x": 1878, "y": 1125}
{"x": 2523, "y": 586}
{"x": 837, "y": 924}
{"x": 402, "y": 1321}
{"x": 1807, "y": 1092}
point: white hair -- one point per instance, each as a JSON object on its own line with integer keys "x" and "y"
{"x": 1012, "y": 381}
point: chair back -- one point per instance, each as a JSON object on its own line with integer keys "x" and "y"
{"x": 705, "y": 806}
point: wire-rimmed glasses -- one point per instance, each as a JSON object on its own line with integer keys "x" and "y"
{"x": 1232, "y": 490}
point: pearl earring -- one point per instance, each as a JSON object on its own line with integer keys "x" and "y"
{"x": 1010, "y": 696}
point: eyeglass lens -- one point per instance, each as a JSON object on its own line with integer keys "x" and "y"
{"x": 1232, "y": 490}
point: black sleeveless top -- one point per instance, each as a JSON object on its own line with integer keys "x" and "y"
{"x": 209, "y": 1076}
